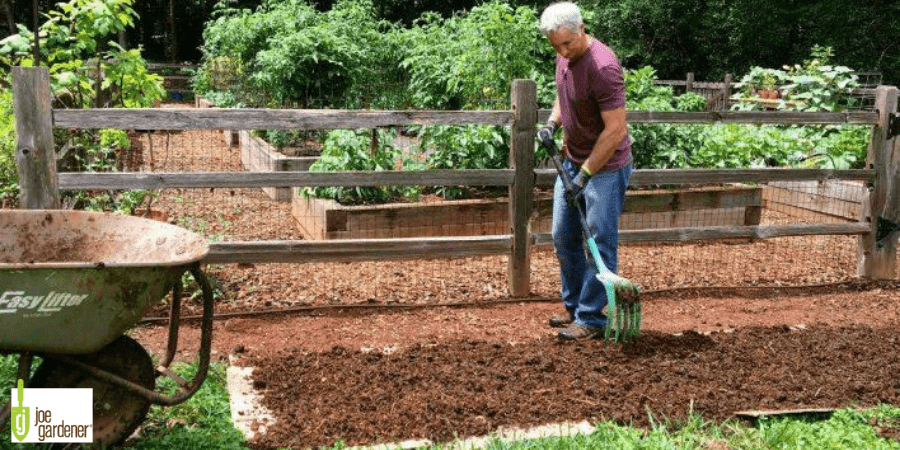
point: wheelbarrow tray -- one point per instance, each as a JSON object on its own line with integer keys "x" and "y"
{"x": 73, "y": 281}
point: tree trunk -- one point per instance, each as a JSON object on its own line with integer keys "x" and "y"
{"x": 172, "y": 41}
{"x": 9, "y": 10}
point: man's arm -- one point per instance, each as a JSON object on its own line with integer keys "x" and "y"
{"x": 555, "y": 114}
{"x": 614, "y": 131}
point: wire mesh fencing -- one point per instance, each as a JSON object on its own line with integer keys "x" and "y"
{"x": 422, "y": 212}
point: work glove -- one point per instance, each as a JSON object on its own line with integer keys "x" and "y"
{"x": 545, "y": 135}
{"x": 576, "y": 190}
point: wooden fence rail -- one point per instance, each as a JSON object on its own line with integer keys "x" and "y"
{"x": 291, "y": 119}
{"x": 72, "y": 181}
{"x": 521, "y": 177}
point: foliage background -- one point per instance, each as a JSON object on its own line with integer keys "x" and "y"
{"x": 707, "y": 37}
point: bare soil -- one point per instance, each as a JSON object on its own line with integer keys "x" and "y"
{"x": 368, "y": 354}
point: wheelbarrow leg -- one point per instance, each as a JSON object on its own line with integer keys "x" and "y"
{"x": 25, "y": 360}
{"x": 174, "y": 321}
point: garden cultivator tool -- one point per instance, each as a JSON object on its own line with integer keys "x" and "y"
{"x": 623, "y": 296}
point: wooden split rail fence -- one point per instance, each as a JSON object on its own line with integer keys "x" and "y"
{"x": 718, "y": 93}
{"x": 41, "y": 184}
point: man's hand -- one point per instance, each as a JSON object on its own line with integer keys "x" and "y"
{"x": 545, "y": 135}
{"x": 576, "y": 190}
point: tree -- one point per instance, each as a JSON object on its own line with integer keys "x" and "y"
{"x": 83, "y": 32}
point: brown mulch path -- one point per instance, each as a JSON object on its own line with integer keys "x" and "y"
{"x": 470, "y": 388}
{"x": 376, "y": 376}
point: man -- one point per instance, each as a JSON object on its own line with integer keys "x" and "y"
{"x": 590, "y": 107}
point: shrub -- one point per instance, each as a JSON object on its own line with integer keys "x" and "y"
{"x": 468, "y": 60}
{"x": 294, "y": 53}
{"x": 78, "y": 42}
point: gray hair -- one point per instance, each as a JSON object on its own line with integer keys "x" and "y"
{"x": 561, "y": 15}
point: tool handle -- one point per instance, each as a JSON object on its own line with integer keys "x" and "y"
{"x": 594, "y": 253}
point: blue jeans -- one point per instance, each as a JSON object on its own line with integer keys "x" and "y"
{"x": 604, "y": 196}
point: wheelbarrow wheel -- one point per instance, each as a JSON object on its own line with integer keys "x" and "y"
{"x": 117, "y": 411}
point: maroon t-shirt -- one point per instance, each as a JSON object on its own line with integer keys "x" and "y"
{"x": 591, "y": 84}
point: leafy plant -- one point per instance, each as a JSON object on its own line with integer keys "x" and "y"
{"x": 662, "y": 146}
{"x": 191, "y": 289}
{"x": 113, "y": 138}
{"x": 87, "y": 66}
{"x": 347, "y": 150}
{"x": 224, "y": 99}
{"x": 819, "y": 85}
{"x": 815, "y": 85}
{"x": 760, "y": 79}
{"x": 129, "y": 201}
{"x": 737, "y": 146}
{"x": 690, "y": 102}
{"x": 297, "y": 54}
{"x": 279, "y": 138}
{"x": 467, "y": 147}
{"x": 643, "y": 94}
{"x": 732, "y": 145}
{"x": 836, "y": 147}
{"x": 467, "y": 61}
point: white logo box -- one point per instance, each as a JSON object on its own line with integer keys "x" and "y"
{"x": 55, "y": 415}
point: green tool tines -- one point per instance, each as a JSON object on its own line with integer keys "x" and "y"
{"x": 624, "y": 309}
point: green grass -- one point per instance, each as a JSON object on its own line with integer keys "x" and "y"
{"x": 204, "y": 422}
{"x": 846, "y": 429}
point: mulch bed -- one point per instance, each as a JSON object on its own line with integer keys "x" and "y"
{"x": 470, "y": 388}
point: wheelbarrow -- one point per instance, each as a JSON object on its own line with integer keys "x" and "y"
{"x": 72, "y": 283}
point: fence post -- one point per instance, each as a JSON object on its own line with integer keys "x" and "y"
{"x": 35, "y": 152}
{"x": 689, "y": 83}
{"x": 521, "y": 192}
{"x": 726, "y": 91}
{"x": 880, "y": 261}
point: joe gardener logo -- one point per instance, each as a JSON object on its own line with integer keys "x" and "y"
{"x": 21, "y": 418}
{"x": 52, "y": 415}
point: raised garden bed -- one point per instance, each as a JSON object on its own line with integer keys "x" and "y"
{"x": 322, "y": 219}
{"x": 258, "y": 155}
{"x": 829, "y": 200}
{"x": 231, "y": 136}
